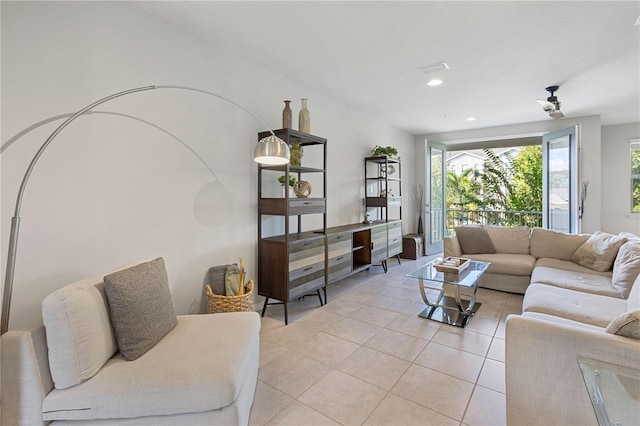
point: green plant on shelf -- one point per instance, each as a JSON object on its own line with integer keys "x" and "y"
{"x": 389, "y": 151}
{"x": 292, "y": 180}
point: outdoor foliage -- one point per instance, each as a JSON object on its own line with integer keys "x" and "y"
{"x": 513, "y": 183}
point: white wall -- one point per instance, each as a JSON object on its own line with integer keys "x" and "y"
{"x": 616, "y": 198}
{"x": 590, "y": 162}
{"x": 112, "y": 189}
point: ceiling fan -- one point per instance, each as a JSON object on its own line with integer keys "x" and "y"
{"x": 551, "y": 105}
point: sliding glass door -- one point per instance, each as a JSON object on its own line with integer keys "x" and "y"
{"x": 436, "y": 201}
{"x": 560, "y": 180}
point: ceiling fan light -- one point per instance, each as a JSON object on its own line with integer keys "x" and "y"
{"x": 434, "y": 82}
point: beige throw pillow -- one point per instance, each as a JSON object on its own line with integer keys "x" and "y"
{"x": 599, "y": 251}
{"x": 142, "y": 311}
{"x": 626, "y": 324}
{"x": 79, "y": 334}
{"x": 474, "y": 240}
{"x": 626, "y": 267}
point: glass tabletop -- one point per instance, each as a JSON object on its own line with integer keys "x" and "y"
{"x": 466, "y": 278}
{"x": 614, "y": 392}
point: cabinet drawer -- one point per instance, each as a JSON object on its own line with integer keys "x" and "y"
{"x": 339, "y": 245}
{"x": 306, "y": 279}
{"x": 340, "y": 266}
{"x": 307, "y": 206}
{"x": 306, "y": 252}
{"x": 394, "y": 201}
{"x": 395, "y": 230}
{"x": 395, "y": 245}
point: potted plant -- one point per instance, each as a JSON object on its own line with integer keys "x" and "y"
{"x": 292, "y": 180}
{"x": 287, "y": 190}
{"x": 389, "y": 151}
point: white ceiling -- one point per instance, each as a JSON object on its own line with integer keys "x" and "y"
{"x": 501, "y": 55}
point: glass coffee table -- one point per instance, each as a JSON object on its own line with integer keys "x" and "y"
{"x": 448, "y": 307}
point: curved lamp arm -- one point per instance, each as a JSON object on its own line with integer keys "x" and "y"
{"x": 270, "y": 150}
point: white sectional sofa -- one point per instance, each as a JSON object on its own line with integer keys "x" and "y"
{"x": 75, "y": 370}
{"x": 569, "y": 311}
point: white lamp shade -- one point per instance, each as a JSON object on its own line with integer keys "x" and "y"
{"x": 272, "y": 151}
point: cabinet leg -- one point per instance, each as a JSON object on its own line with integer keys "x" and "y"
{"x": 398, "y": 257}
{"x": 384, "y": 266}
{"x": 324, "y": 289}
{"x": 320, "y": 297}
{"x": 286, "y": 314}
{"x": 264, "y": 308}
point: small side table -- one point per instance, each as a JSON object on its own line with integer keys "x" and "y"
{"x": 614, "y": 391}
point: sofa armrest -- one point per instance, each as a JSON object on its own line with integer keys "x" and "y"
{"x": 452, "y": 246}
{"x": 544, "y": 384}
{"x": 26, "y": 378}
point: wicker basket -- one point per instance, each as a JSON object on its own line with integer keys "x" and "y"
{"x": 217, "y": 303}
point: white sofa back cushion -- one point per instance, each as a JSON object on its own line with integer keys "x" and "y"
{"x": 626, "y": 267}
{"x": 80, "y": 338}
{"x": 509, "y": 239}
{"x": 558, "y": 245}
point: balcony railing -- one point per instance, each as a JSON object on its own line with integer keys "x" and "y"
{"x": 492, "y": 217}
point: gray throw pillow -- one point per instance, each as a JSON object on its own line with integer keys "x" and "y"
{"x": 474, "y": 240}
{"x": 140, "y": 306}
{"x": 216, "y": 279}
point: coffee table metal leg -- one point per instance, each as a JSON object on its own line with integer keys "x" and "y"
{"x": 422, "y": 292}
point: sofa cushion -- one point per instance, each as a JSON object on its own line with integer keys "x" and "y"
{"x": 474, "y": 239}
{"x": 80, "y": 338}
{"x": 509, "y": 239}
{"x": 626, "y": 267}
{"x": 566, "y": 274}
{"x": 141, "y": 308}
{"x": 633, "y": 302}
{"x": 578, "y": 306}
{"x": 195, "y": 382}
{"x": 509, "y": 264}
{"x": 554, "y": 244}
{"x": 599, "y": 251}
{"x": 560, "y": 320}
{"x": 626, "y": 324}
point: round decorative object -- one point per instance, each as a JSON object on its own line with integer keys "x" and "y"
{"x": 302, "y": 189}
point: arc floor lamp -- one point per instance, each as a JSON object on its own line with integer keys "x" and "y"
{"x": 270, "y": 150}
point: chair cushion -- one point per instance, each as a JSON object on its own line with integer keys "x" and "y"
{"x": 474, "y": 239}
{"x": 80, "y": 338}
{"x": 599, "y": 251}
{"x": 578, "y": 306}
{"x": 199, "y": 366}
{"x": 554, "y": 244}
{"x": 509, "y": 239}
{"x": 141, "y": 308}
{"x": 626, "y": 267}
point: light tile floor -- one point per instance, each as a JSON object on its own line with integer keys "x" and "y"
{"x": 367, "y": 358}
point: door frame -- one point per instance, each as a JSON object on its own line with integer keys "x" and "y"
{"x": 435, "y": 245}
{"x": 573, "y": 132}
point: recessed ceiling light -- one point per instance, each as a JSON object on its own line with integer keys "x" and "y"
{"x": 434, "y": 82}
{"x": 638, "y": 21}
{"x": 470, "y": 119}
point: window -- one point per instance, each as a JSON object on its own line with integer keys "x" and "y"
{"x": 463, "y": 168}
{"x": 635, "y": 176}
